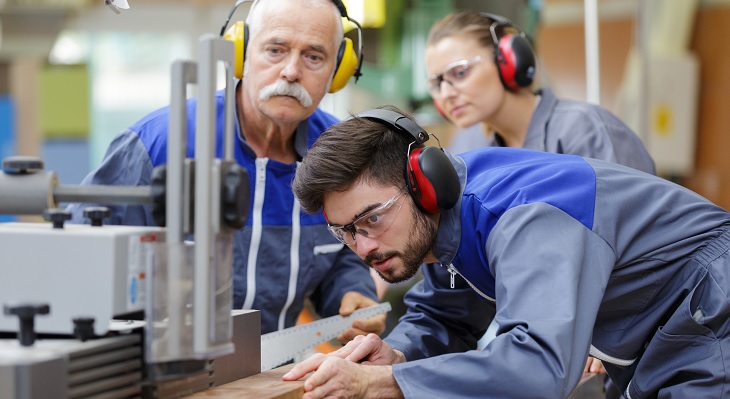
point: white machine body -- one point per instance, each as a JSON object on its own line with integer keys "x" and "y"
{"x": 81, "y": 271}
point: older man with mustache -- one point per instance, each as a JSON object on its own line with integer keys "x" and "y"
{"x": 282, "y": 256}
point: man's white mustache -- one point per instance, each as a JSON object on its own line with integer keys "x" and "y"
{"x": 283, "y": 88}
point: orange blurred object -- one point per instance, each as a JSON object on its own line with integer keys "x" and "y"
{"x": 307, "y": 317}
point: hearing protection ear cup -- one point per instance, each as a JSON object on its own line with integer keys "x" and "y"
{"x": 345, "y": 68}
{"x": 513, "y": 54}
{"x": 346, "y": 65}
{"x": 515, "y": 61}
{"x": 430, "y": 176}
{"x": 238, "y": 34}
{"x": 432, "y": 180}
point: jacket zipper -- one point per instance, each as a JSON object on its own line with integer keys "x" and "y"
{"x": 452, "y": 270}
{"x": 256, "y": 232}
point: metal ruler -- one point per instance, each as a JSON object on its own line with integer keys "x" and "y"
{"x": 281, "y": 346}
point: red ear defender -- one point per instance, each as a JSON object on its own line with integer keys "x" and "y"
{"x": 513, "y": 55}
{"x": 516, "y": 62}
{"x": 431, "y": 178}
{"x": 420, "y": 188}
{"x": 506, "y": 62}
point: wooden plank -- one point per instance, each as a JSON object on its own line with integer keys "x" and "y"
{"x": 269, "y": 385}
{"x": 266, "y": 385}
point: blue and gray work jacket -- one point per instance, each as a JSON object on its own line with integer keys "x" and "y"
{"x": 283, "y": 255}
{"x": 572, "y": 256}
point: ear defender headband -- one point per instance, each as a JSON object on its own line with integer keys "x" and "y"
{"x": 348, "y": 63}
{"x": 431, "y": 178}
{"x": 513, "y": 55}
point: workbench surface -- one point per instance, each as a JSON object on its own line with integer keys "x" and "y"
{"x": 269, "y": 385}
{"x": 266, "y": 385}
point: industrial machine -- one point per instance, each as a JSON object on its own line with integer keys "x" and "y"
{"x": 123, "y": 311}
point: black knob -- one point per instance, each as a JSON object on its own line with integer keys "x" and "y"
{"x": 96, "y": 214}
{"x": 56, "y": 216}
{"x": 22, "y": 165}
{"x": 26, "y": 314}
{"x": 234, "y": 196}
{"x": 158, "y": 185}
{"x": 83, "y": 328}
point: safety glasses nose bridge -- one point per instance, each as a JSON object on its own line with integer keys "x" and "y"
{"x": 370, "y": 224}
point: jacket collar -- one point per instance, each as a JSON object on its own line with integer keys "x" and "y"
{"x": 537, "y": 132}
{"x": 448, "y": 236}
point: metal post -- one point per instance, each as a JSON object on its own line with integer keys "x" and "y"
{"x": 593, "y": 91}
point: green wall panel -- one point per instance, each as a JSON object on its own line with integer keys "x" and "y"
{"x": 64, "y": 102}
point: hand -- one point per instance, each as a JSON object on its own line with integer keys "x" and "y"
{"x": 337, "y": 377}
{"x": 352, "y": 301}
{"x": 594, "y": 365}
{"x": 369, "y": 350}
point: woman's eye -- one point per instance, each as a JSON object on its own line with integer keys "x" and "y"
{"x": 460, "y": 73}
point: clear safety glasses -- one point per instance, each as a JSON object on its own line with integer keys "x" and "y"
{"x": 453, "y": 74}
{"x": 370, "y": 224}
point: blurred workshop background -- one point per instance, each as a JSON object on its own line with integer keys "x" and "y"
{"x": 73, "y": 73}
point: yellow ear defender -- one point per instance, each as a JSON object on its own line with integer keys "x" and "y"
{"x": 238, "y": 34}
{"x": 348, "y": 64}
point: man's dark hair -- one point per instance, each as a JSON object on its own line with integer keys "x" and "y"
{"x": 354, "y": 150}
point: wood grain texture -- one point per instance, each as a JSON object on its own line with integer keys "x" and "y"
{"x": 266, "y": 385}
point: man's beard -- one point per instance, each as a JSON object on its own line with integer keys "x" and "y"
{"x": 424, "y": 235}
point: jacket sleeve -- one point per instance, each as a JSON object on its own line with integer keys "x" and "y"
{"x": 594, "y": 132}
{"x": 440, "y": 319}
{"x": 126, "y": 163}
{"x": 348, "y": 273}
{"x": 547, "y": 299}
